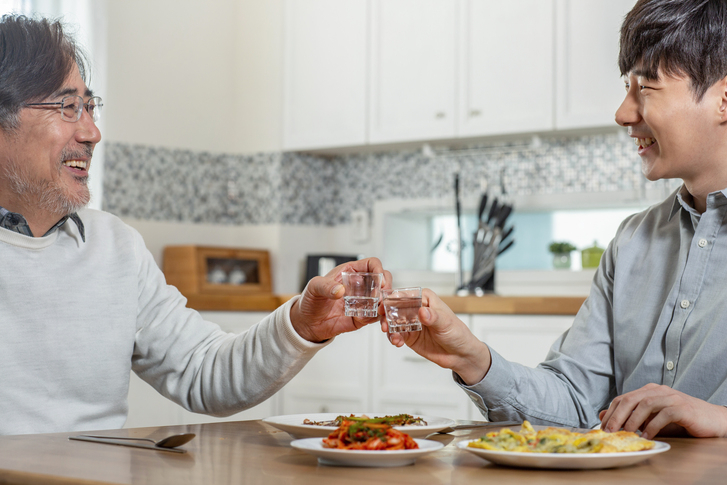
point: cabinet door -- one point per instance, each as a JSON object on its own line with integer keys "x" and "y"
{"x": 413, "y": 70}
{"x": 404, "y": 382}
{"x": 506, "y": 67}
{"x": 589, "y": 88}
{"x": 525, "y": 339}
{"x": 337, "y": 378}
{"x": 325, "y": 55}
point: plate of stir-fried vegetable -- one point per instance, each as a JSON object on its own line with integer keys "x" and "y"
{"x": 320, "y": 425}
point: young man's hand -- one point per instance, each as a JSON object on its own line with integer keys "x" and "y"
{"x": 319, "y": 313}
{"x": 445, "y": 340}
{"x": 655, "y": 409}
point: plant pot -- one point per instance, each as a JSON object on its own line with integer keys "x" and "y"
{"x": 561, "y": 260}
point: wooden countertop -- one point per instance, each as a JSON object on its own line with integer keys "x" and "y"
{"x": 488, "y": 304}
{"x": 515, "y": 305}
{"x": 254, "y": 452}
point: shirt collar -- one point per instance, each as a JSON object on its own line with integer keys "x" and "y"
{"x": 684, "y": 200}
{"x": 16, "y": 222}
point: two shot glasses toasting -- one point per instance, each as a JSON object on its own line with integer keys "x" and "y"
{"x": 401, "y": 305}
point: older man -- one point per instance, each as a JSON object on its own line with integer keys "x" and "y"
{"x": 81, "y": 300}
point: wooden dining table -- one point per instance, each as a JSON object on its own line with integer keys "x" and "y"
{"x": 257, "y": 453}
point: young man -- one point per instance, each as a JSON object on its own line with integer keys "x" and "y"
{"x": 82, "y": 302}
{"x": 647, "y": 349}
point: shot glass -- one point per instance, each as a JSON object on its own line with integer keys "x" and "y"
{"x": 363, "y": 293}
{"x": 402, "y": 309}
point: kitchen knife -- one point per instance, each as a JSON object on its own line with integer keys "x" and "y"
{"x": 483, "y": 206}
{"x": 493, "y": 211}
{"x": 458, "y": 208}
{"x": 479, "y": 424}
{"x": 506, "y": 233}
{"x": 506, "y": 247}
{"x": 502, "y": 215}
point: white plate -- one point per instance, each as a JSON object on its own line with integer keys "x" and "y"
{"x": 293, "y": 424}
{"x": 331, "y": 456}
{"x": 584, "y": 461}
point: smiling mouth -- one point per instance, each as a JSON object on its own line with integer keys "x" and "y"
{"x": 79, "y": 164}
{"x": 644, "y": 142}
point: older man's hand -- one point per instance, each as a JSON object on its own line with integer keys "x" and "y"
{"x": 319, "y": 313}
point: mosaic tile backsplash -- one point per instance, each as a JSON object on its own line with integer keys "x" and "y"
{"x": 160, "y": 184}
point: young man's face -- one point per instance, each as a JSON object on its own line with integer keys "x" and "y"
{"x": 44, "y": 163}
{"x": 676, "y": 136}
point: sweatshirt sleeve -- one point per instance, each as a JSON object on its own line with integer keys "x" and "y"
{"x": 199, "y": 366}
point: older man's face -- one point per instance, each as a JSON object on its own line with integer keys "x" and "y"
{"x": 44, "y": 164}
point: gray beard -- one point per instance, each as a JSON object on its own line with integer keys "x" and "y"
{"x": 45, "y": 195}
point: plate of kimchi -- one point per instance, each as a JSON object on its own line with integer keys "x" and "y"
{"x": 320, "y": 425}
{"x": 366, "y": 443}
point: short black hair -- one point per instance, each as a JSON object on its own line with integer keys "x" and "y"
{"x": 682, "y": 37}
{"x": 36, "y": 58}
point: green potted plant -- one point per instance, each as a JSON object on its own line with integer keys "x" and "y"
{"x": 591, "y": 257}
{"x": 561, "y": 254}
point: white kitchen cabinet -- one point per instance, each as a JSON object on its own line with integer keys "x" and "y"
{"x": 525, "y": 339}
{"x": 413, "y": 70}
{"x": 337, "y": 379}
{"x": 325, "y": 56}
{"x": 506, "y": 67}
{"x": 589, "y": 87}
{"x": 404, "y": 382}
{"x": 385, "y": 71}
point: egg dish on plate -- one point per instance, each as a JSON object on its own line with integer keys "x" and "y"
{"x": 559, "y": 440}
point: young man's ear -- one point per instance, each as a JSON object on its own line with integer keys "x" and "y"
{"x": 723, "y": 99}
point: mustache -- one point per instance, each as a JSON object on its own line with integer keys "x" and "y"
{"x": 85, "y": 152}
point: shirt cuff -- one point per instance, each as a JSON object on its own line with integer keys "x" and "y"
{"x": 497, "y": 385}
{"x": 289, "y": 331}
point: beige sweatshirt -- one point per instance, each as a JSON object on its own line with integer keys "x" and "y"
{"x": 76, "y": 317}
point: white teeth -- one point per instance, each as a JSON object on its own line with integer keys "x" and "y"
{"x": 76, "y": 164}
{"x": 644, "y": 142}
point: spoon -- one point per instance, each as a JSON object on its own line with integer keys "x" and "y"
{"x": 168, "y": 443}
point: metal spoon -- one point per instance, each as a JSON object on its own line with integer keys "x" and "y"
{"x": 168, "y": 443}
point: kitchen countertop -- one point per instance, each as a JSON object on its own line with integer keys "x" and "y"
{"x": 488, "y": 304}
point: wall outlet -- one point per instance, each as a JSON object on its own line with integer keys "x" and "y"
{"x": 360, "y": 227}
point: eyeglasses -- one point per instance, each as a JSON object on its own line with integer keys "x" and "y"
{"x": 71, "y": 107}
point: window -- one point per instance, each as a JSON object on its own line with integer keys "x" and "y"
{"x": 425, "y": 241}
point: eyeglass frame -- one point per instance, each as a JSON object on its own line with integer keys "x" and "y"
{"x": 95, "y": 116}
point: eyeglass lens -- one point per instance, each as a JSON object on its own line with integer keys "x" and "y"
{"x": 71, "y": 108}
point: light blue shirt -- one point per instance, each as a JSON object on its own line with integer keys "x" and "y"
{"x": 657, "y": 312}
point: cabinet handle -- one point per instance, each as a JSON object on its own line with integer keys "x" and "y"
{"x": 440, "y": 114}
{"x": 475, "y": 112}
{"x": 324, "y": 409}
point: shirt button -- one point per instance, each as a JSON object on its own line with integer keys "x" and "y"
{"x": 702, "y": 243}
{"x": 685, "y": 303}
{"x": 669, "y": 365}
